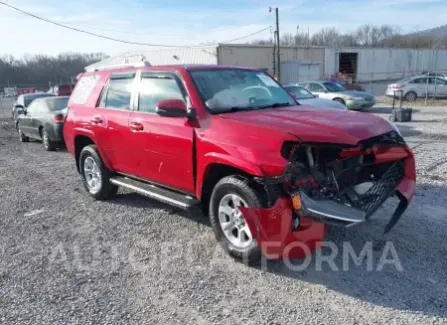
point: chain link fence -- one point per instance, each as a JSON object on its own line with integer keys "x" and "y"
{"x": 9, "y": 90}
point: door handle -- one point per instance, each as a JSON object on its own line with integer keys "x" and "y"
{"x": 136, "y": 126}
{"x": 96, "y": 120}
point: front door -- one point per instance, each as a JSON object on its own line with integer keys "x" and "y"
{"x": 110, "y": 121}
{"x": 440, "y": 87}
{"x": 26, "y": 120}
{"x": 318, "y": 90}
{"x": 162, "y": 146}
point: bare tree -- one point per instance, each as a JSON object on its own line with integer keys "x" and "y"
{"x": 41, "y": 69}
{"x": 363, "y": 36}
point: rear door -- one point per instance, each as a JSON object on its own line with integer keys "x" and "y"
{"x": 162, "y": 146}
{"x": 110, "y": 121}
{"x": 423, "y": 86}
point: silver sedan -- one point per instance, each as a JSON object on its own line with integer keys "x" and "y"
{"x": 420, "y": 86}
{"x": 352, "y": 99}
{"x": 305, "y": 97}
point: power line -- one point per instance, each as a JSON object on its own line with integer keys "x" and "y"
{"x": 125, "y": 41}
{"x": 147, "y": 33}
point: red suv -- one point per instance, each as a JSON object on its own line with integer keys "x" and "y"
{"x": 270, "y": 173}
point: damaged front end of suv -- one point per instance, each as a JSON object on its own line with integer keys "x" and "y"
{"x": 330, "y": 184}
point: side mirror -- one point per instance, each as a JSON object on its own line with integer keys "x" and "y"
{"x": 316, "y": 95}
{"x": 173, "y": 108}
{"x": 20, "y": 109}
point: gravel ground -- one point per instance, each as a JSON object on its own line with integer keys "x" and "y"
{"x": 66, "y": 259}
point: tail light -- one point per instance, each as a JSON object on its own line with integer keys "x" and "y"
{"x": 58, "y": 119}
{"x": 397, "y": 87}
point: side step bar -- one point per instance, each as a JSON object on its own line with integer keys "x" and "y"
{"x": 173, "y": 198}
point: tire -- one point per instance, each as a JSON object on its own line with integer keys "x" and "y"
{"x": 411, "y": 96}
{"x": 341, "y": 101}
{"x": 104, "y": 189}
{"x": 47, "y": 143}
{"x": 22, "y": 137}
{"x": 225, "y": 188}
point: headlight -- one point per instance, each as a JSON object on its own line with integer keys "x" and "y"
{"x": 354, "y": 98}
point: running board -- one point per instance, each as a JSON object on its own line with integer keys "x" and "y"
{"x": 173, "y": 198}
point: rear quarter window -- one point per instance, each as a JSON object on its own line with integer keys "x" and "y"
{"x": 83, "y": 89}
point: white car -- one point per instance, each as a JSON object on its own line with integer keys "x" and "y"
{"x": 420, "y": 86}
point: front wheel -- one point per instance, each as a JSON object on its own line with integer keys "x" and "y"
{"x": 228, "y": 223}
{"x": 95, "y": 176}
{"x": 22, "y": 137}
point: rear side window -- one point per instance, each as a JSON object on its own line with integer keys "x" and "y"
{"x": 57, "y": 104}
{"x": 118, "y": 92}
{"x": 154, "y": 89}
{"x": 83, "y": 89}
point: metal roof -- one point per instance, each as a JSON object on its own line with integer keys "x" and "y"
{"x": 206, "y": 55}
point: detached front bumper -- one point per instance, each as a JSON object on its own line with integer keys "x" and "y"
{"x": 273, "y": 227}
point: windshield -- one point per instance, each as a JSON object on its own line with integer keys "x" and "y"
{"x": 300, "y": 92}
{"x": 224, "y": 90}
{"x": 30, "y": 98}
{"x": 57, "y": 104}
{"x": 333, "y": 87}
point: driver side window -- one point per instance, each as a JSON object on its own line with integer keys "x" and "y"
{"x": 316, "y": 88}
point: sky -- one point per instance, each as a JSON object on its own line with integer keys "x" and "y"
{"x": 193, "y": 22}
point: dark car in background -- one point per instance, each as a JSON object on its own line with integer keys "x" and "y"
{"x": 61, "y": 90}
{"x": 43, "y": 120}
{"x": 23, "y": 101}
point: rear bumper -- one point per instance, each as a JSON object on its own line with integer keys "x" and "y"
{"x": 55, "y": 132}
{"x": 273, "y": 227}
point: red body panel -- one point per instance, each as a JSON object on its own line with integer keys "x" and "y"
{"x": 178, "y": 153}
{"x": 272, "y": 229}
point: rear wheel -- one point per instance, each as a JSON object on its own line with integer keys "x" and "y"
{"x": 410, "y": 96}
{"x": 22, "y": 137}
{"x": 229, "y": 225}
{"x": 47, "y": 143}
{"x": 95, "y": 175}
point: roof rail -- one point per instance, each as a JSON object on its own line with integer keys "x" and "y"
{"x": 137, "y": 64}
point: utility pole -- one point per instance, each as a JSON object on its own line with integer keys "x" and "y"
{"x": 278, "y": 46}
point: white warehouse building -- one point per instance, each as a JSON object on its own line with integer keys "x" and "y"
{"x": 299, "y": 63}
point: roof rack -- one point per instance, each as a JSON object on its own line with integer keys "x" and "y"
{"x": 140, "y": 62}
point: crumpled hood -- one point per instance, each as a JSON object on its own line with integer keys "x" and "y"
{"x": 310, "y": 125}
